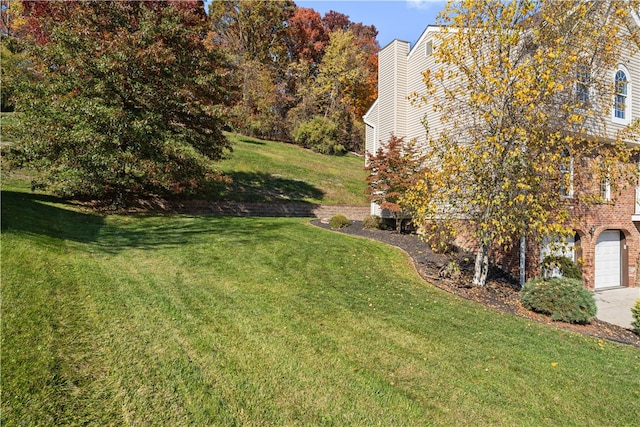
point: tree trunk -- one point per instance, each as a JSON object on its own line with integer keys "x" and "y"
{"x": 482, "y": 264}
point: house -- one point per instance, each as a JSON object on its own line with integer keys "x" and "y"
{"x": 607, "y": 237}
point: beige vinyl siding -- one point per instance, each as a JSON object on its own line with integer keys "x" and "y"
{"x": 371, "y": 122}
{"x": 401, "y": 94}
{"x": 370, "y": 140}
{"x": 416, "y": 113}
{"x": 632, "y": 65}
{"x": 632, "y": 62}
{"x": 392, "y": 83}
{"x": 389, "y": 114}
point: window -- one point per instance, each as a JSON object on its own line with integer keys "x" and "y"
{"x": 605, "y": 189}
{"x": 605, "y": 184}
{"x": 583, "y": 81}
{"x": 429, "y": 48}
{"x": 566, "y": 174}
{"x": 621, "y": 95}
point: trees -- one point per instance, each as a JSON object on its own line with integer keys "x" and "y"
{"x": 255, "y": 34}
{"x": 393, "y": 170}
{"x": 522, "y": 89}
{"x": 286, "y": 59}
{"x": 11, "y": 22}
{"x": 308, "y": 37}
{"x": 338, "y": 92}
{"x": 121, "y": 99}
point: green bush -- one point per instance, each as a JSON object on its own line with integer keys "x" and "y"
{"x": 339, "y": 221}
{"x": 562, "y": 298}
{"x": 566, "y": 266}
{"x": 635, "y": 312}
{"x": 372, "y": 222}
{"x": 319, "y": 134}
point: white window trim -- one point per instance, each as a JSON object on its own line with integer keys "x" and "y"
{"x": 428, "y": 48}
{"x": 568, "y": 194}
{"x": 628, "y": 100}
{"x": 605, "y": 190}
{"x": 584, "y": 83}
{"x": 637, "y": 209}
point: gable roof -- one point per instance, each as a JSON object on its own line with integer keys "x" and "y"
{"x": 427, "y": 33}
{"x": 367, "y": 116}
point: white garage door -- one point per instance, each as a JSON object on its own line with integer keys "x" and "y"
{"x": 608, "y": 259}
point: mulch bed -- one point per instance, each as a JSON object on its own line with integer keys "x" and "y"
{"x": 500, "y": 293}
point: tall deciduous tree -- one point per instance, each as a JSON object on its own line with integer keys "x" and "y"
{"x": 255, "y": 34}
{"x": 523, "y": 88}
{"x": 308, "y": 37}
{"x": 121, "y": 99}
{"x": 337, "y": 93}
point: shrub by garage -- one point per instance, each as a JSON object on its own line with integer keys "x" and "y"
{"x": 564, "y": 299}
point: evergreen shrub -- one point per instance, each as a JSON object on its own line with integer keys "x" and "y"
{"x": 562, "y": 298}
{"x": 635, "y": 312}
{"x": 339, "y": 221}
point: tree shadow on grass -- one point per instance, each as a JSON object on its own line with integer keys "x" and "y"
{"x": 166, "y": 232}
{"x": 43, "y": 215}
{"x": 249, "y": 140}
{"x": 47, "y": 217}
{"x": 264, "y": 187}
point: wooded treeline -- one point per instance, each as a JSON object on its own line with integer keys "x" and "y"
{"x": 125, "y": 99}
{"x": 295, "y": 75}
{"x": 299, "y": 76}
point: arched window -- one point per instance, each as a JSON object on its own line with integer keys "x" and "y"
{"x": 621, "y": 96}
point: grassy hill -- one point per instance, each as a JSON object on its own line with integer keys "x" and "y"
{"x": 267, "y": 171}
{"x": 198, "y": 320}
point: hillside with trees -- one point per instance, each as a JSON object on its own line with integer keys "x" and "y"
{"x": 300, "y": 77}
{"x": 125, "y": 99}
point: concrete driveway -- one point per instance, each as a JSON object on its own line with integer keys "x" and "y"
{"x": 614, "y": 305}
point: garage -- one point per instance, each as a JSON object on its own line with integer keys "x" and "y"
{"x": 608, "y": 260}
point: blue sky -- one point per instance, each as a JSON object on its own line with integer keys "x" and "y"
{"x": 394, "y": 19}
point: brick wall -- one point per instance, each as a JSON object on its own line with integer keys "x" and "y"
{"x": 278, "y": 209}
{"x": 610, "y": 216}
{"x": 590, "y": 223}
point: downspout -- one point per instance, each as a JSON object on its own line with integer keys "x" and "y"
{"x": 523, "y": 263}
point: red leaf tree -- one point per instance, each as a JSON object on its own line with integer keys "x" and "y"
{"x": 394, "y": 168}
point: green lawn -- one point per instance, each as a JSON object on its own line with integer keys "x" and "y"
{"x": 183, "y": 320}
{"x": 267, "y": 171}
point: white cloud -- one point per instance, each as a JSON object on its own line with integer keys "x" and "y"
{"x": 422, "y": 4}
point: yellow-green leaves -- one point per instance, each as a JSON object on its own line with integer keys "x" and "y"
{"x": 506, "y": 80}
